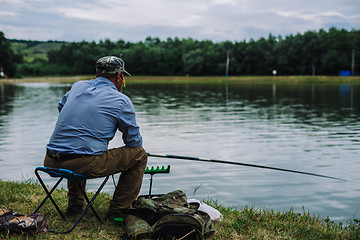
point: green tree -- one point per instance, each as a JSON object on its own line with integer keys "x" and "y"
{"x": 326, "y": 52}
{"x": 8, "y": 59}
{"x": 173, "y": 57}
{"x": 258, "y": 57}
{"x": 338, "y": 56}
{"x": 193, "y": 62}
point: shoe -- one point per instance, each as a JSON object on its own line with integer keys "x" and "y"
{"x": 111, "y": 216}
{"x": 117, "y": 218}
{"x": 73, "y": 210}
{"x": 123, "y": 213}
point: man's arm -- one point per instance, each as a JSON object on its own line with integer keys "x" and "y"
{"x": 128, "y": 126}
{"x": 62, "y": 101}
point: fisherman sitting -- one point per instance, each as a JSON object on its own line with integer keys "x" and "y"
{"x": 90, "y": 115}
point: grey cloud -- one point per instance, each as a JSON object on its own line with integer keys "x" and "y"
{"x": 199, "y": 19}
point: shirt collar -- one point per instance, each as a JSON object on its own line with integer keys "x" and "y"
{"x": 105, "y": 81}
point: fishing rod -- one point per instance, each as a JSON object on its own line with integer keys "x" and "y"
{"x": 241, "y": 164}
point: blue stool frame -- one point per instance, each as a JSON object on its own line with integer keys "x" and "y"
{"x": 72, "y": 176}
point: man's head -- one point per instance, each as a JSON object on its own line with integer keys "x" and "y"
{"x": 110, "y": 65}
{"x": 112, "y": 68}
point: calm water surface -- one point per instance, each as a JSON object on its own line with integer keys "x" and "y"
{"x": 312, "y": 128}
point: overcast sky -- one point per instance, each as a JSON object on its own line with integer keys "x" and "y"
{"x": 134, "y": 20}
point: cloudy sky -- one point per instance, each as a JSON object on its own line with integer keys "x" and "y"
{"x": 134, "y": 20}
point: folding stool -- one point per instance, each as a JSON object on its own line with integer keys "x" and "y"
{"x": 72, "y": 176}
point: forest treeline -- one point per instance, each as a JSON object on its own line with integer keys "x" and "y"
{"x": 322, "y": 52}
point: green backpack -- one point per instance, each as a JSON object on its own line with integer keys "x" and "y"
{"x": 167, "y": 216}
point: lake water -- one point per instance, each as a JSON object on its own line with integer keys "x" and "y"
{"x": 305, "y": 127}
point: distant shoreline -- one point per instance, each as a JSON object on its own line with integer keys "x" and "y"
{"x": 196, "y": 79}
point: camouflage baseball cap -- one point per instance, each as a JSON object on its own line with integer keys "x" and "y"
{"x": 111, "y": 65}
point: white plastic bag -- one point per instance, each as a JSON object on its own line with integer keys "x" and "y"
{"x": 214, "y": 214}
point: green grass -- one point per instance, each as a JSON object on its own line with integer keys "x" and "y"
{"x": 246, "y": 223}
{"x": 24, "y": 197}
{"x": 202, "y": 80}
{"x": 244, "y": 79}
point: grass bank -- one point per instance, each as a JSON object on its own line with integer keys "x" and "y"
{"x": 201, "y": 80}
{"x": 247, "y": 223}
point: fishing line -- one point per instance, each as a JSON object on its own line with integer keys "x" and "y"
{"x": 241, "y": 164}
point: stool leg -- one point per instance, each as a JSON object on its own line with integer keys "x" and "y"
{"x": 48, "y": 195}
{"x": 151, "y": 181}
{"x": 93, "y": 198}
{"x": 89, "y": 205}
{"x": 87, "y": 200}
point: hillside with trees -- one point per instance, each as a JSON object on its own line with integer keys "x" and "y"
{"x": 8, "y": 58}
{"x": 34, "y": 50}
{"x": 314, "y": 52}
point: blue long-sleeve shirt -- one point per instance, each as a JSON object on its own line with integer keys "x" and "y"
{"x": 90, "y": 114}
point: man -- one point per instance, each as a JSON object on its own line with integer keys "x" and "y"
{"x": 89, "y": 116}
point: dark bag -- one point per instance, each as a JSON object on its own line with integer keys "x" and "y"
{"x": 167, "y": 216}
{"x": 33, "y": 223}
{"x": 5, "y": 215}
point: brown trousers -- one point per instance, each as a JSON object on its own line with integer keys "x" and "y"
{"x": 131, "y": 162}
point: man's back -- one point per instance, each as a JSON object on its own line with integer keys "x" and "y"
{"x": 90, "y": 114}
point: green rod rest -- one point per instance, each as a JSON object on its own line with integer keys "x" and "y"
{"x": 154, "y": 170}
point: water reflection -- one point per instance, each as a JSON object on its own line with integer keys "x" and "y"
{"x": 313, "y": 128}
{"x": 346, "y": 96}
{"x": 7, "y": 93}
{"x": 274, "y": 100}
